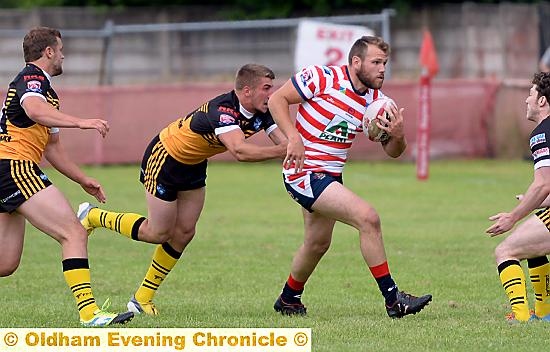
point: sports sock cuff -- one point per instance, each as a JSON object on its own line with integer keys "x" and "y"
{"x": 506, "y": 264}
{"x": 295, "y": 285}
{"x": 171, "y": 251}
{"x": 75, "y": 263}
{"x": 536, "y": 262}
{"x": 380, "y": 270}
{"x": 135, "y": 228}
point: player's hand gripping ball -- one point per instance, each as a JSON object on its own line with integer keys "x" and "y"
{"x": 376, "y": 108}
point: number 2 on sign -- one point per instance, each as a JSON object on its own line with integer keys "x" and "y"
{"x": 334, "y": 55}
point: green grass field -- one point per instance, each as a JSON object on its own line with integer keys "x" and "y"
{"x": 234, "y": 269}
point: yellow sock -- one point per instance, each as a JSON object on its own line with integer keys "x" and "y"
{"x": 164, "y": 260}
{"x": 513, "y": 281}
{"x": 539, "y": 272}
{"x": 77, "y": 275}
{"x": 127, "y": 224}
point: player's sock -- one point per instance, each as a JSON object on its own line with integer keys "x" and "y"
{"x": 292, "y": 292}
{"x": 513, "y": 281}
{"x": 539, "y": 273}
{"x": 126, "y": 224}
{"x": 77, "y": 276}
{"x": 164, "y": 260}
{"x": 385, "y": 282}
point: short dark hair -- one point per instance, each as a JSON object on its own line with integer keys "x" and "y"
{"x": 250, "y": 74}
{"x": 360, "y": 47}
{"x": 542, "y": 81}
{"x": 37, "y": 40}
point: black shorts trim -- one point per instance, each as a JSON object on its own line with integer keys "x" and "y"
{"x": 19, "y": 181}
{"x": 163, "y": 176}
{"x": 544, "y": 216}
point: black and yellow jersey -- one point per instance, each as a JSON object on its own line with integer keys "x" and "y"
{"x": 20, "y": 137}
{"x": 194, "y": 138}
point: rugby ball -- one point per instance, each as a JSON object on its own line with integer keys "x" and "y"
{"x": 376, "y": 108}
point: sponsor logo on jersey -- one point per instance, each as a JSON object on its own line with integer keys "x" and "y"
{"x": 226, "y": 120}
{"x": 306, "y": 76}
{"x": 5, "y": 138}
{"x": 257, "y": 124}
{"x": 34, "y": 86}
{"x": 327, "y": 70}
{"x": 338, "y": 130}
{"x": 225, "y": 109}
{"x": 33, "y": 77}
{"x": 540, "y": 153}
{"x": 537, "y": 139}
{"x": 43, "y": 177}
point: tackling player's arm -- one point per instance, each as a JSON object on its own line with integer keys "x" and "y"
{"x": 537, "y": 192}
{"x": 278, "y": 137}
{"x": 242, "y": 150}
{"x": 59, "y": 159}
{"x": 397, "y": 143}
{"x": 38, "y": 110}
{"x": 279, "y": 104}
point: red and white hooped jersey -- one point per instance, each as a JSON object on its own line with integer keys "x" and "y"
{"x": 330, "y": 116}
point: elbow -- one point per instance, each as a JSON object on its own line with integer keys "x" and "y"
{"x": 240, "y": 155}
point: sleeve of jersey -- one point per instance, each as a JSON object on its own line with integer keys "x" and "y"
{"x": 270, "y": 125}
{"x": 222, "y": 119}
{"x": 35, "y": 84}
{"x": 308, "y": 82}
{"x": 540, "y": 150}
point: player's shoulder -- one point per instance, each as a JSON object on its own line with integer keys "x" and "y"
{"x": 31, "y": 73}
{"x": 226, "y": 103}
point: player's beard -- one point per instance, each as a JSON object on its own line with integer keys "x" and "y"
{"x": 368, "y": 81}
{"x": 57, "y": 70}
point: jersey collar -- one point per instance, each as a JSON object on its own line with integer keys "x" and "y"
{"x": 355, "y": 90}
{"x": 45, "y": 73}
{"x": 247, "y": 114}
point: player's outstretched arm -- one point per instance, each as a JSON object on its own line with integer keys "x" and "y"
{"x": 59, "y": 159}
{"x": 537, "y": 192}
{"x": 242, "y": 150}
{"x": 45, "y": 114}
{"x": 279, "y": 103}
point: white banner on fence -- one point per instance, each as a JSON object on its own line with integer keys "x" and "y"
{"x": 320, "y": 43}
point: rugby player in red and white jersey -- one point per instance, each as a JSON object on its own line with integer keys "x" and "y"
{"x": 332, "y": 103}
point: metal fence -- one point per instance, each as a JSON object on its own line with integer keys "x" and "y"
{"x": 188, "y": 51}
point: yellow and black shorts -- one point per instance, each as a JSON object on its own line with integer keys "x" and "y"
{"x": 544, "y": 215}
{"x": 19, "y": 180}
{"x": 163, "y": 176}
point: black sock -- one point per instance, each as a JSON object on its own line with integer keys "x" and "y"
{"x": 291, "y": 296}
{"x": 388, "y": 288}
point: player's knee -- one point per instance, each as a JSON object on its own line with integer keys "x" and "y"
{"x": 72, "y": 234}
{"x": 369, "y": 221}
{"x": 160, "y": 236}
{"x": 183, "y": 235}
{"x": 8, "y": 268}
{"x": 318, "y": 247}
{"x": 503, "y": 251}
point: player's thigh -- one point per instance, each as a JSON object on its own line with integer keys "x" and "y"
{"x": 317, "y": 228}
{"x": 530, "y": 239}
{"x": 162, "y": 214}
{"x": 50, "y": 212}
{"x": 12, "y": 233}
{"x": 340, "y": 203}
{"x": 190, "y": 205}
